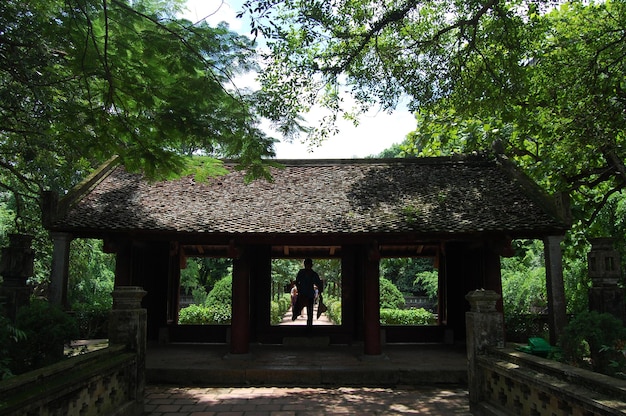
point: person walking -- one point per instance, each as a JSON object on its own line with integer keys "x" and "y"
{"x": 306, "y": 280}
{"x": 294, "y": 296}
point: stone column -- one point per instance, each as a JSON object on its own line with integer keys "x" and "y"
{"x": 485, "y": 328}
{"x": 557, "y": 317}
{"x": 16, "y": 266}
{"x": 604, "y": 270}
{"x": 127, "y": 326}
{"x": 57, "y": 291}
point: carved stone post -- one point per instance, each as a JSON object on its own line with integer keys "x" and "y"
{"x": 127, "y": 326}
{"x": 604, "y": 269}
{"x": 485, "y": 328}
{"x": 16, "y": 266}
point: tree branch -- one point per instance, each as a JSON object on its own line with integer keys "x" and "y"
{"x": 601, "y": 204}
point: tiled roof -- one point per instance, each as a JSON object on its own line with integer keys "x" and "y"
{"x": 418, "y": 196}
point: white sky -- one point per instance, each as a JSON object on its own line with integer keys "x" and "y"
{"x": 376, "y": 131}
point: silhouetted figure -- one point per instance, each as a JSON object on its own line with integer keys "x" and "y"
{"x": 306, "y": 280}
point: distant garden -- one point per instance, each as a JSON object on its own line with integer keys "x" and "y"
{"x": 401, "y": 278}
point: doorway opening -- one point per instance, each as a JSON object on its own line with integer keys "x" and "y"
{"x": 205, "y": 296}
{"x": 284, "y": 297}
{"x": 409, "y": 291}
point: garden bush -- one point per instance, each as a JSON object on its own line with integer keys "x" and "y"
{"x": 284, "y": 302}
{"x": 9, "y": 335}
{"x": 47, "y": 329}
{"x": 92, "y": 321}
{"x": 333, "y": 304}
{"x": 595, "y": 341}
{"x": 390, "y": 296}
{"x": 276, "y": 314}
{"x": 205, "y": 315}
{"x": 279, "y": 308}
{"x": 406, "y": 317}
{"x": 222, "y": 292}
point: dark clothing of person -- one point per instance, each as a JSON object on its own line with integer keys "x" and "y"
{"x": 306, "y": 280}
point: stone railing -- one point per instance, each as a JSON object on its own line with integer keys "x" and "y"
{"x": 503, "y": 381}
{"x": 107, "y": 382}
{"x": 98, "y": 383}
{"x": 519, "y": 383}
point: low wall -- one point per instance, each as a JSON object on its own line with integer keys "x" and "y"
{"x": 517, "y": 383}
{"x": 103, "y": 382}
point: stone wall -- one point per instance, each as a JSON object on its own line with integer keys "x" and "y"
{"x": 109, "y": 382}
{"x": 518, "y": 383}
{"x": 503, "y": 381}
{"x": 98, "y": 383}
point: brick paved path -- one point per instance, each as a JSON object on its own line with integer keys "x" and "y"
{"x": 278, "y": 401}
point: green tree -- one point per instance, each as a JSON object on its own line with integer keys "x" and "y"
{"x": 404, "y": 272}
{"x": 330, "y": 273}
{"x": 91, "y": 275}
{"x": 201, "y": 274}
{"x": 540, "y": 84}
{"x": 428, "y": 280}
{"x": 82, "y": 81}
{"x": 523, "y": 280}
{"x": 560, "y": 118}
{"x": 545, "y": 83}
{"x": 284, "y": 272}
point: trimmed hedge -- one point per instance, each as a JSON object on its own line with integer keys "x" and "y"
{"x": 333, "y": 304}
{"x": 406, "y": 317}
{"x": 205, "y": 315}
{"x": 279, "y": 308}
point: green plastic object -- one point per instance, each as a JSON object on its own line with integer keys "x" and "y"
{"x": 536, "y": 346}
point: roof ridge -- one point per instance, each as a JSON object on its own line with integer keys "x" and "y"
{"x": 556, "y": 205}
{"x": 454, "y": 159}
{"x": 56, "y": 207}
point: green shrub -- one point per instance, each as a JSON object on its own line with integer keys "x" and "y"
{"x": 47, "y": 330}
{"x": 9, "y": 335}
{"x": 276, "y": 315}
{"x": 596, "y": 341}
{"x": 406, "y": 317}
{"x": 284, "y": 302}
{"x": 199, "y": 295}
{"x": 92, "y": 320}
{"x": 279, "y": 307}
{"x": 222, "y": 292}
{"x": 333, "y": 304}
{"x": 205, "y": 315}
{"x": 390, "y": 296}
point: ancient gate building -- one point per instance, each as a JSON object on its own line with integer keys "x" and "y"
{"x": 461, "y": 211}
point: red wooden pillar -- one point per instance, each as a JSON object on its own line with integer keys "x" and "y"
{"x": 349, "y": 297}
{"x": 371, "y": 294}
{"x": 173, "y": 282}
{"x": 240, "y": 322}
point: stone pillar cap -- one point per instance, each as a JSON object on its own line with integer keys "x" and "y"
{"x": 482, "y": 300}
{"x": 128, "y": 297}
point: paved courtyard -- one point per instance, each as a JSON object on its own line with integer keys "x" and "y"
{"x": 295, "y": 401}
